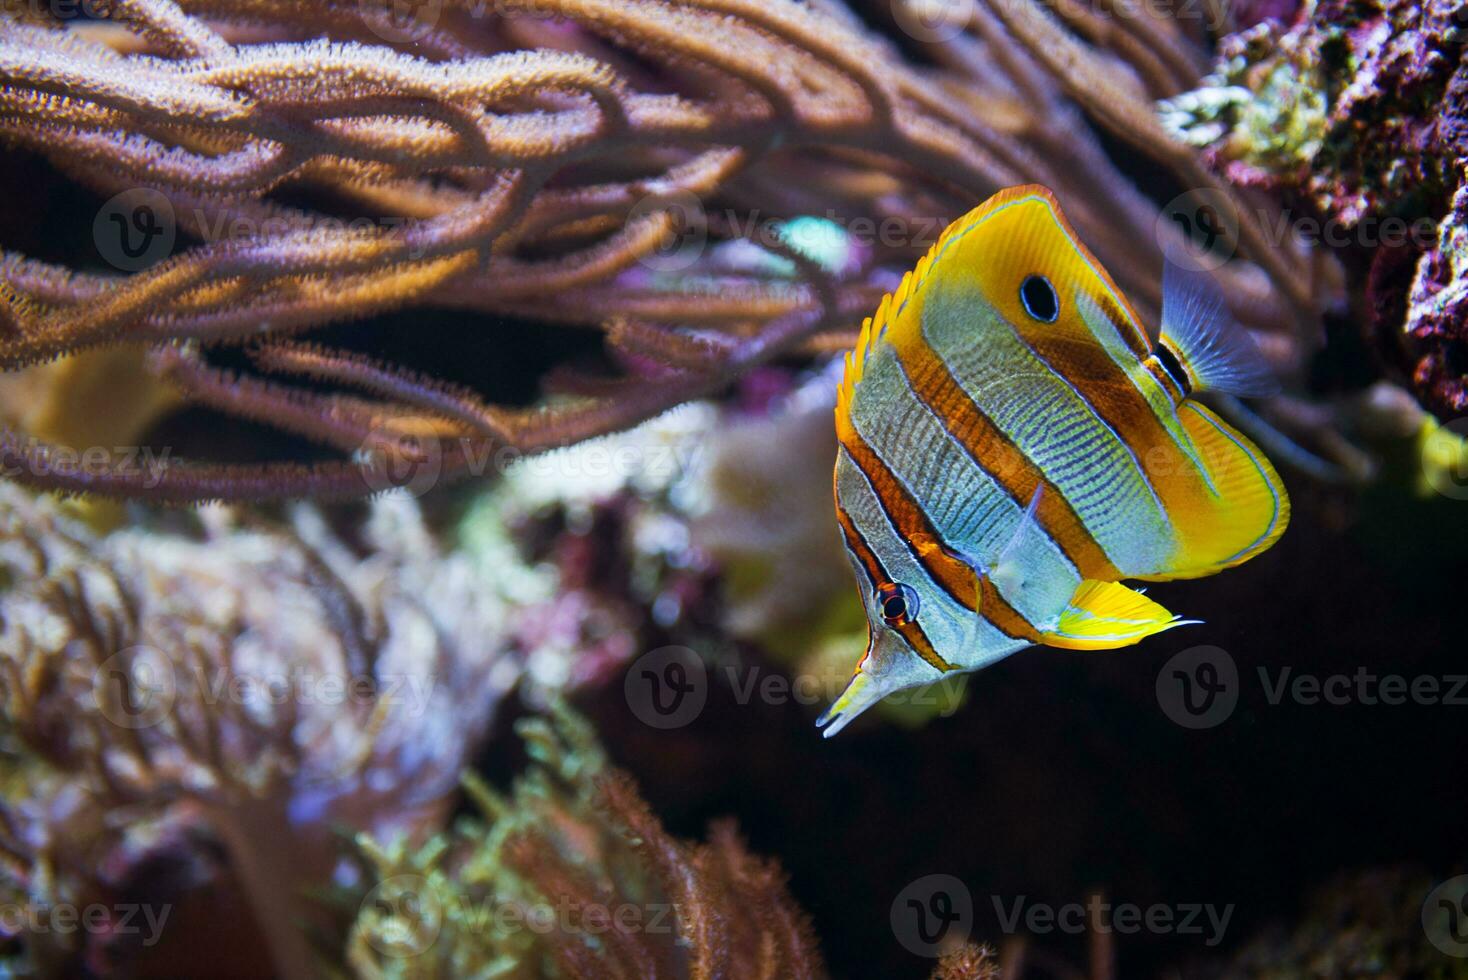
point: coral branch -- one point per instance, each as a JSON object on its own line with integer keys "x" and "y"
{"x": 591, "y": 162}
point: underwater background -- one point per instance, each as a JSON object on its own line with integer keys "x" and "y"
{"x": 417, "y": 555}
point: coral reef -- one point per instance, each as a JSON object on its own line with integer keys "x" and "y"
{"x": 968, "y": 963}
{"x": 1437, "y": 312}
{"x": 248, "y": 683}
{"x": 243, "y": 686}
{"x": 571, "y": 875}
{"x": 1363, "y": 924}
{"x": 599, "y": 252}
{"x": 599, "y": 535}
{"x": 763, "y": 511}
{"x": 565, "y": 161}
{"x": 1359, "y": 108}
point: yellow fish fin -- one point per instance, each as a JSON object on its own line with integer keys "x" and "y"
{"x": 855, "y": 359}
{"x": 1103, "y": 615}
{"x": 874, "y": 327}
{"x": 1248, "y": 512}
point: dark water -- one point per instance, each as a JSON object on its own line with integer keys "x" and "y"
{"x": 1062, "y": 775}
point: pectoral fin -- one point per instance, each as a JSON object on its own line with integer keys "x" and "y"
{"x": 1103, "y": 615}
{"x": 1008, "y": 571}
{"x": 1215, "y": 352}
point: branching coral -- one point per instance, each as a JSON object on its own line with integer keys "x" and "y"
{"x": 573, "y": 876}
{"x": 968, "y": 963}
{"x": 563, "y": 160}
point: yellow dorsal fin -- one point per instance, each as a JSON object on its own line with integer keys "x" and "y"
{"x": 1103, "y": 615}
{"x": 872, "y": 329}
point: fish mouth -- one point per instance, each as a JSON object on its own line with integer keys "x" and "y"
{"x": 862, "y": 691}
{"x": 888, "y": 666}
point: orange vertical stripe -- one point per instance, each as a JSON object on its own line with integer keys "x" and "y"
{"x": 910, "y": 631}
{"x": 992, "y": 450}
{"x": 954, "y": 575}
{"x": 1115, "y": 399}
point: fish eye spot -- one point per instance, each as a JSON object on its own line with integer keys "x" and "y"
{"x": 1039, "y": 299}
{"x": 898, "y": 603}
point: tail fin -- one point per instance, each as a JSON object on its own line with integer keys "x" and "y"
{"x": 1214, "y": 352}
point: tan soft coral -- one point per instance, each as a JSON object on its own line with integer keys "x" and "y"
{"x": 546, "y": 162}
{"x": 572, "y": 875}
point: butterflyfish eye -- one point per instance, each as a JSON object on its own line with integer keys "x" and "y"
{"x": 1039, "y": 298}
{"x": 898, "y": 602}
